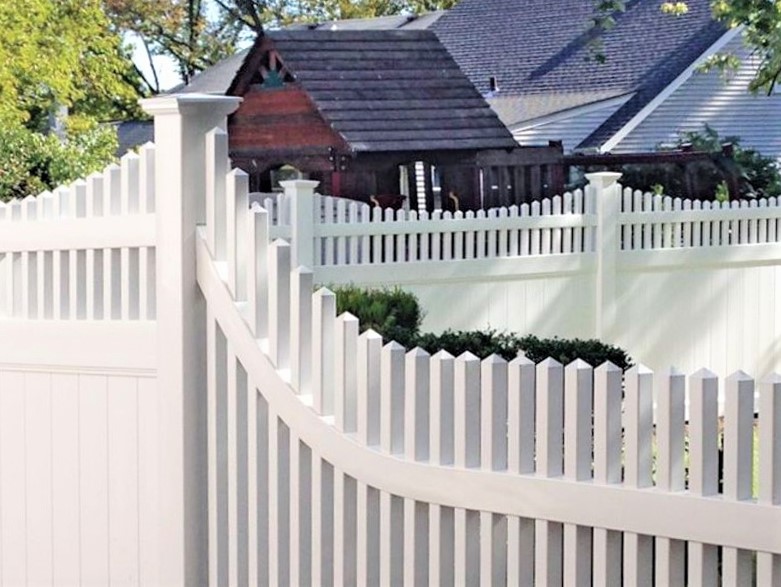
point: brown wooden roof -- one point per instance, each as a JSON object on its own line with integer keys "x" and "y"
{"x": 385, "y": 90}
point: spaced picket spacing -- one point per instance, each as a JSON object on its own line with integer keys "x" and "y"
{"x": 309, "y": 451}
{"x": 610, "y": 431}
{"x": 85, "y": 251}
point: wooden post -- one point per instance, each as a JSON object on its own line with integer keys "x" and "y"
{"x": 301, "y": 194}
{"x": 181, "y": 124}
{"x": 605, "y": 192}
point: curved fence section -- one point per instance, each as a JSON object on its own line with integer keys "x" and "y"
{"x": 338, "y": 459}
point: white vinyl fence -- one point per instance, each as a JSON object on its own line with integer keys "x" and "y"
{"x": 337, "y": 460}
{"x": 606, "y": 262}
{"x": 196, "y": 414}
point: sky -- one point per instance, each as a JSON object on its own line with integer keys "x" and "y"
{"x": 166, "y": 71}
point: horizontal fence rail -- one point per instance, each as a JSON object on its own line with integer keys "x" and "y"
{"x": 346, "y": 232}
{"x": 85, "y": 251}
{"x": 652, "y": 222}
{"x": 336, "y": 458}
{"x": 353, "y": 233}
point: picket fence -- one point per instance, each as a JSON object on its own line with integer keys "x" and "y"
{"x": 269, "y": 441}
{"x": 347, "y": 232}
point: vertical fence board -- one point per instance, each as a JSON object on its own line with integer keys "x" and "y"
{"x": 607, "y": 466}
{"x": 93, "y": 479}
{"x": 703, "y": 467}
{"x": 578, "y": 392}
{"x": 466, "y": 401}
{"x": 670, "y": 423}
{"x": 122, "y": 425}
{"x": 65, "y": 479}
{"x": 769, "y": 565}
{"x": 638, "y": 430}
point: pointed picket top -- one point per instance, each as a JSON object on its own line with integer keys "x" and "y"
{"x": 772, "y": 379}
{"x": 703, "y": 374}
{"x": 147, "y": 145}
{"x": 739, "y": 377}
{"x": 366, "y": 335}
{"x": 345, "y": 316}
{"x": 443, "y": 355}
{"x": 418, "y": 353}
{"x": 237, "y": 172}
{"x": 494, "y": 359}
{"x": 579, "y": 365}
{"x": 130, "y": 156}
{"x": 549, "y": 363}
{"x": 608, "y": 367}
{"x": 280, "y": 242}
{"x": 521, "y": 361}
{"x": 674, "y": 372}
{"x": 393, "y": 347}
{"x": 638, "y": 370}
{"x": 467, "y": 357}
{"x": 257, "y": 208}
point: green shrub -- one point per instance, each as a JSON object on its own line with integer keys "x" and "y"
{"x": 396, "y": 315}
{"x": 566, "y": 350}
{"x": 393, "y": 313}
{"x": 484, "y": 343}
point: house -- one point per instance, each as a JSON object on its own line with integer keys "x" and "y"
{"x": 363, "y": 112}
{"x": 535, "y": 62}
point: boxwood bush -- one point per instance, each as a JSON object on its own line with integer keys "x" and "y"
{"x": 396, "y": 315}
{"x": 393, "y": 313}
{"x": 484, "y": 343}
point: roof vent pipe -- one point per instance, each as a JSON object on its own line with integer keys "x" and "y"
{"x": 493, "y": 84}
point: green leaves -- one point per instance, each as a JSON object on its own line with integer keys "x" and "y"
{"x": 58, "y": 52}
{"x": 31, "y": 162}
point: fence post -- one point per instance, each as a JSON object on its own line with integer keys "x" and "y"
{"x": 181, "y": 124}
{"x": 301, "y": 195}
{"x": 604, "y": 193}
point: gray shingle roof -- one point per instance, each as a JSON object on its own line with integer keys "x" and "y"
{"x": 216, "y": 79}
{"x": 541, "y": 47}
{"x": 391, "y": 90}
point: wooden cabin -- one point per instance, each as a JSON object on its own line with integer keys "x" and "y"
{"x": 378, "y": 113}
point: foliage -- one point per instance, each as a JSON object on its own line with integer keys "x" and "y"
{"x": 759, "y": 176}
{"x": 762, "y": 22}
{"x": 180, "y": 29}
{"x": 56, "y": 53}
{"x": 32, "y": 162}
{"x": 484, "y": 343}
{"x": 393, "y": 313}
{"x": 254, "y": 14}
{"x": 566, "y": 350}
{"x": 396, "y": 315}
{"x": 762, "y": 32}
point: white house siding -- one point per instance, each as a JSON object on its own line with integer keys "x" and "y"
{"x": 570, "y": 128}
{"x": 725, "y": 105}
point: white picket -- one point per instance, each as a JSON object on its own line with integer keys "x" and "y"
{"x": 703, "y": 467}
{"x": 737, "y": 566}
{"x": 578, "y": 393}
{"x": 466, "y": 402}
{"x": 769, "y": 565}
{"x": 607, "y": 466}
{"x": 549, "y": 430}
{"x": 670, "y": 467}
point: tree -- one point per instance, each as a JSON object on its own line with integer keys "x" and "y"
{"x": 60, "y": 52}
{"x": 179, "y": 29}
{"x": 254, "y": 14}
{"x": 198, "y": 33}
{"x": 762, "y": 32}
{"x": 56, "y": 56}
